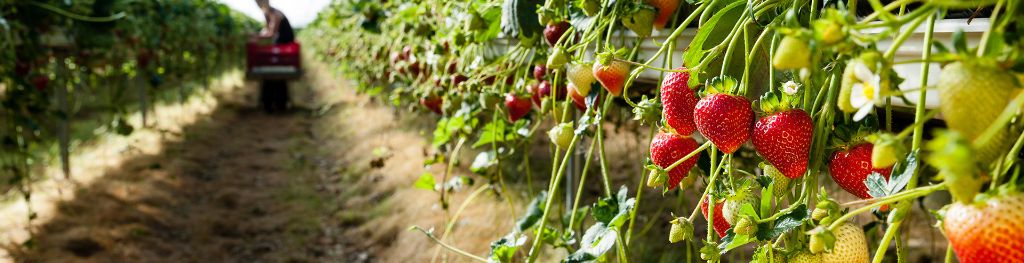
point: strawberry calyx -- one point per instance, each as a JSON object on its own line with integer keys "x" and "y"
{"x": 778, "y": 101}
{"x": 723, "y": 85}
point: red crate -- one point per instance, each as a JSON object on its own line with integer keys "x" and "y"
{"x": 275, "y": 61}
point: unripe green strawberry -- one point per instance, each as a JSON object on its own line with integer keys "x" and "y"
{"x": 641, "y": 21}
{"x": 745, "y": 226}
{"x": 972, "y": 97}
{"x": 558, "y": 58}
{"x": 731, "y": 210}
{"x": 804, "y": 257}
{"x": 887, "y": 151}
{"x": 580, "y": 74}
{"x": 991, "y": 230}
{"x": 793, "y": 53}
{"x": 780, "y": 180}
{"x": 851, "y": 246}
{"x": 589, "y": 7}
{"x": 682, "y": 229}
{"x": 561, "y": 135}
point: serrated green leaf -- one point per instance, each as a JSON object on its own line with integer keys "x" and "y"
{"x": 426, "y": 182}
{"x": 876, "y": 185}
{"x": 901, "y": 175}
{"x": 533, "y": 212}
{"x": 696, "y": 50}
{"x": 783, "y": 224}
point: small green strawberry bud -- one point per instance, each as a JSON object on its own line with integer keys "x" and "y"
{"x": 641, "y": 21}
{"x": 887, "y": 151}
{"x": 648, "y": 111}
{"x": 951, "y": 153}
{"x": 561, "y": 135}
{"x": 821, "y": 240}
{"x": 710, "y": 252}
{"x": 687, "y": 181}
{"x": 780, "y": 181}
{"x": 745, "y": 226}
{"x": 682, "y": 229}
{"x": 558, "y": 58}
{"x": 657, "y": 178}
{"x": 589, "y": 7}
{"x": 819, "y": 214}
{"x": 793, "y": 53}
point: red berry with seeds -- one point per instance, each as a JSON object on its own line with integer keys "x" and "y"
{"x": 850, "y": 167}
{"x": 667, "y": 149}
{"x": 725, "y": 120}
{"x": 784, "y": 140}
{"x": 678, "y": 102}
{"x": 517, "y": 106}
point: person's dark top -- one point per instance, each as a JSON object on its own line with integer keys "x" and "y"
{"x": 285, "y": 34}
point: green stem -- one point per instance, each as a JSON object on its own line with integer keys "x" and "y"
{"x": 876, "y": 202}
{"x": 583, "y": 180}
{"x": 449, "y": 247}
{"x": 982, "y": 47}
{"x": 534, "y": 250}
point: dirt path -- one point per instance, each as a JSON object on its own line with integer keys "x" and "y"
{"x": 233, "y": 188}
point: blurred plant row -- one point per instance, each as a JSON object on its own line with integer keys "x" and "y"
{"x": 71, "y": 68}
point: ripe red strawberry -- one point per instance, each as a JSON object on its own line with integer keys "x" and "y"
{"x": 665, "y": 10}
{"x": 535, "y": 94}
{"x": 988, "y": 231}
{"x": 678, "y": 102}
{"x": 725, "y": 120}
{"x": 850, "y": 167}
{"x": 458, "y": 79}
{"x": 721, "y": 226}
{"x": 452, "y": 67}
{"x": 41, "y": 82}
{"x": 554, "y": 31}
{"x": 539, "y": 71}
{"x": 668, "y": 148}
{"x": 517, "y": 106}
{"x": 545, "y": 89}
{"x": 784, "y": 139}
{"x": 612, "y": 76}
{"x": 433, "y": 103}
{"x": 578, "y": 98}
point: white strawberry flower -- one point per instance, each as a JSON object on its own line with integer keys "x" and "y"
{"x": 790, "y": 88}
{"x": 865, "y": 91}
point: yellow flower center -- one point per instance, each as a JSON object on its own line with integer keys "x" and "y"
{"x": 869, "y": 90}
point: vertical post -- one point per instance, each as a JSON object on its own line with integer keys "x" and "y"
{"x": 64, "y": 125}
{"x": 143, "y": 97}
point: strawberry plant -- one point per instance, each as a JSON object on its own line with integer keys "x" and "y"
{"x": 845, "y": 142}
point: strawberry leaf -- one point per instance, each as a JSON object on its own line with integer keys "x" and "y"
{"x": 783, "y": 224}
{"x": 876, "y": 184}
{"x": 533, "y": 213}
{"x": 902, "y": 173}
{"x": 426, "y": 182}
